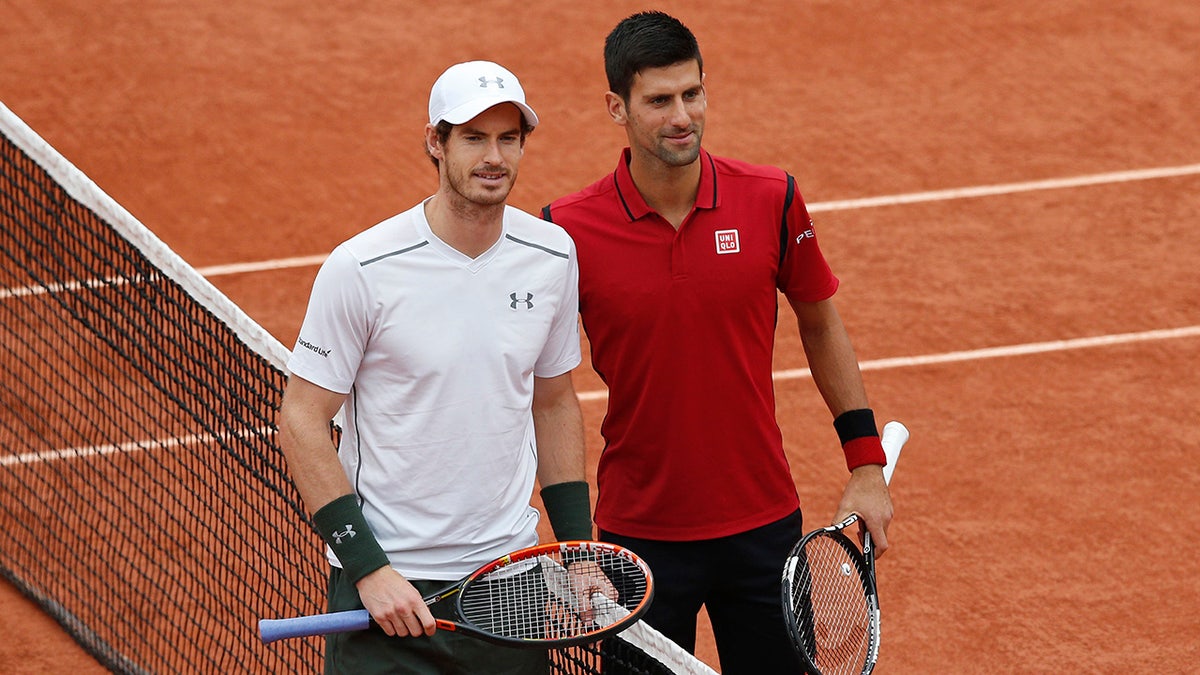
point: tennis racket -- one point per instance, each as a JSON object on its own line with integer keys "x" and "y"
{"x": 829, "y": 597}
{"x": 554, "y": 595}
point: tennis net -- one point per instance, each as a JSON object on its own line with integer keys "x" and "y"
{"x": 146, "y": 503}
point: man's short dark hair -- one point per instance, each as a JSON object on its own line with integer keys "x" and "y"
{"x": 646, "y": 40}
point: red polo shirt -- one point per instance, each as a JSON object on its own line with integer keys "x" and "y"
{"x": 682, "y": 327}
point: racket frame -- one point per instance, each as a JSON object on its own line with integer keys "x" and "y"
{"x": 271, "y": 630}
{"x": 583, "y": 550}
{"x": 865, "y": 561}
{"x": 894, "y": 436}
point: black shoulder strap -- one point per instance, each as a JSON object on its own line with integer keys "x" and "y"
{"x": 783, "y": 223}
{"x": 546, "y": 214}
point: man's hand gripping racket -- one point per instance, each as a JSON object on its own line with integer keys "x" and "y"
{"x": 829, "y": 597}
{"x": 554, "y": 595}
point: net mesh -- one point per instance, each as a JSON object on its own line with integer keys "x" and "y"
{"x": 146, "y": 504}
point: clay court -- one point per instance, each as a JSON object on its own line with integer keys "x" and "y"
{"x": 1009, "y": 192}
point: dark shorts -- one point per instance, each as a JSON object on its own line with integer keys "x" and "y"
{"x": 372, "y": 651}
{"x": 738, "y": 580}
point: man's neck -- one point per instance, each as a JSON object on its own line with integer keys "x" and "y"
{"x": 669, "y": 190}
{"x": 467, "y": 227}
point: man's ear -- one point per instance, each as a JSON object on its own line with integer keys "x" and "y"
{"x": 432, "y": 145}
{"x": 617, "y": 109}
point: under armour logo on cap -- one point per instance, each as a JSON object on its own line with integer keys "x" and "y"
{"x": 484, "y": 81}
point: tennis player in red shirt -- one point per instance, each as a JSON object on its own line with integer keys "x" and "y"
{"x": 682, "y": 255}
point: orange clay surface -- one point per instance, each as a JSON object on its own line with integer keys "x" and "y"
{"x": 1045, "y": 505}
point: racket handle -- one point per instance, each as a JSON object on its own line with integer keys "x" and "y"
{"x": 271, "y": 630}
{"x": 895, "y": 435}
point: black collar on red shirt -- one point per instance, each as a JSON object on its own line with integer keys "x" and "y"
{"x": 635, "y": 206}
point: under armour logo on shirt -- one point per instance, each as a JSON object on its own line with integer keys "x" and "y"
{"x": 528, "y": 300}
{"x": 347, "y": 533}
{"x": 484, "y": 82}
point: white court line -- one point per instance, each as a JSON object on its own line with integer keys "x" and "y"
{"x": 1007, "y": 188}
{"x": 979, "y": 354}
{"x": 815, "y": 207}
{"x": 601, "y": 395}
{"x": 131, "y": 446}
{"x": 842, "y": 205}
{"x": 880, "y": 364}
{"x": 263, "y": 266}
{"x": 69, "y": 287}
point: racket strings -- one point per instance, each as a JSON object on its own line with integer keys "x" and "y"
{"x": 832, "y": 608}
{"x": 549, "y": 597}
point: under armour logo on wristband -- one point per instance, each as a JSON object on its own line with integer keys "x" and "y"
{"x": 528, "y": 300}
{"x": 484, "y": 82}
{"x": 348, "y": 533}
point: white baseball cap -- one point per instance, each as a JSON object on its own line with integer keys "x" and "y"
{"x": 467, "y": 89}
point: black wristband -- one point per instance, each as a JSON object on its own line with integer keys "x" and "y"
{"x": 569, "y": 508}
{"x": 854, "y": 424}
{"x": 342, "y": 526}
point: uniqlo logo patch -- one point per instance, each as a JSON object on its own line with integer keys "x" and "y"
{"x": 727, "y": 242}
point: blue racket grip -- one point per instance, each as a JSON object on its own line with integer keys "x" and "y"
{"x": 271, "y": 630}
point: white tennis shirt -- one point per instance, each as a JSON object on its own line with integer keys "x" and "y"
{"x": 437, "y": 353}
